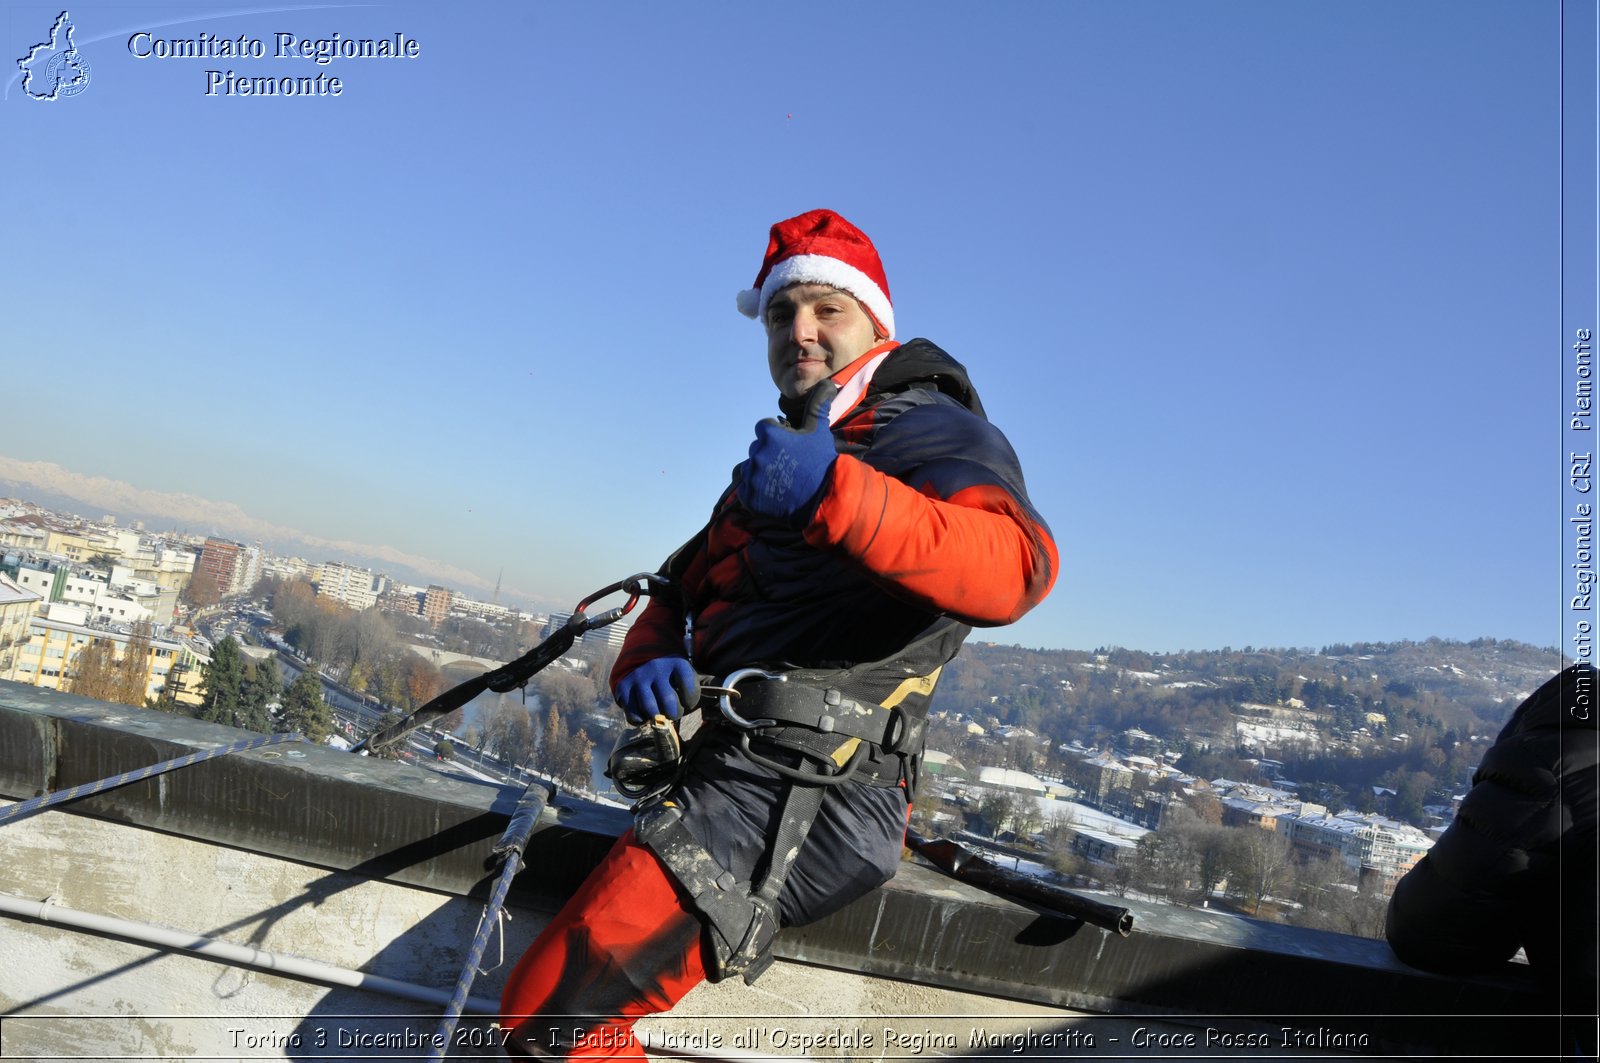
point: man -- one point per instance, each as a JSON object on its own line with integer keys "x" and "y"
{"x": 1516, "y": 869}
{"x": 842, "y": 568}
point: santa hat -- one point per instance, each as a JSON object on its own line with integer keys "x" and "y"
{"x": 819, "y": 247}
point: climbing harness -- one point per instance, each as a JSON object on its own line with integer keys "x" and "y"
{"x": 804, "y": 727}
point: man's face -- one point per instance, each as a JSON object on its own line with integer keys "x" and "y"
{"x": 813, "y": 331}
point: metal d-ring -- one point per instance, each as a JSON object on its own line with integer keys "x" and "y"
{"x": 729, "y": 688}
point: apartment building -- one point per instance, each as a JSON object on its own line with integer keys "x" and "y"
{"x": 436, "y": 604}
{"x": 47, "y": 655}
{"x": 17, "y": 605}
{"x": 402, "y": 601}
{"x": 356, "y": 587}
{"x": 609, "y": 637}
{"x": 162, "y": 564}
{"x": 219, "y": 559}
{"x": 116, "y": 596}
{"x": 1367, "y": 843}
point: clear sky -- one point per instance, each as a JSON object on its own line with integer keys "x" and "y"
{"x": 1263, "y": 293}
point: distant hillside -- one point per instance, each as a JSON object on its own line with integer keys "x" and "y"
{"x": 1466, "y": 687}
{"x": 1390, "y": 727}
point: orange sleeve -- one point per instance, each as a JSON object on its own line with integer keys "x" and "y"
{"x": 977, "y": 555}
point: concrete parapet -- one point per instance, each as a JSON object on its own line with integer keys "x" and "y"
{"x": 382, "y": 867}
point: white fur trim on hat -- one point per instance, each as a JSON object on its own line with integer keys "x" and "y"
{"x": 820, "y": 269}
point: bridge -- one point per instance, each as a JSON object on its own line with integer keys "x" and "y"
{"x": 443, "y": 659}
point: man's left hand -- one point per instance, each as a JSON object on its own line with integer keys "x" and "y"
{"x": 787, "y": 468}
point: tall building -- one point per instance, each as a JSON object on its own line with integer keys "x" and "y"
{"x": 164, "y": 565}
{"x": 250, "y": 567}
{"x": 436, "y": 604}
{"x": 220, "y": 559}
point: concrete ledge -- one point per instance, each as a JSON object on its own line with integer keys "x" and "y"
{"x": 1224, "y": 971}
{"x": 314, "y": 804}
{"x": 397, "y": 823}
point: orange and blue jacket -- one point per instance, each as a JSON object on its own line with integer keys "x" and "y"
{"x": 923, "y": 530}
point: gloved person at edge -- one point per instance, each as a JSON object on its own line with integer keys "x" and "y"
{"x": 857, "y": 545}
{"x": 1516, "y": 868}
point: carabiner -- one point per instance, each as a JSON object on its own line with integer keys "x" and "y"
{"x": 636, "y": 586}
{"x": 729, "y": 689}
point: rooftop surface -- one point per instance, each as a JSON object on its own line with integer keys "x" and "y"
{"x": 378, "y": 870}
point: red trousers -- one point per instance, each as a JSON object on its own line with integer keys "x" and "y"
{"x": 624, "y": 946}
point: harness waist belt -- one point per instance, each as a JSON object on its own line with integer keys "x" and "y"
{"x": 823, "y": 709}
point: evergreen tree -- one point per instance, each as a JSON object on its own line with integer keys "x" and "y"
{"x": 262, "y": 686}
{"x": 220, "y": 683}
{"x": 304, "y": 710}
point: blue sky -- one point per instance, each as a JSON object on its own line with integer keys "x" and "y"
{"x": 1264, "y": 294}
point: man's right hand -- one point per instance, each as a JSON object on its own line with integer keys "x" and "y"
{"x": 667, "y": 686}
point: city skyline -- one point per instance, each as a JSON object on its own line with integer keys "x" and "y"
{"x": 1265, "y": 297}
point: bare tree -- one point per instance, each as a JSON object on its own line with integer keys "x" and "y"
{"x": 202, "y": 589}
{"x": 1260, "y": 865}
{"x": 1159, "y": 863}
{"x": 99, "y": 672}
{"x": 1027, "y": 818}
{"x": 94, "y": 671}
{"x": 423, "y": 682}
{"x": 508, "y": 733}
{"x": 1332, "y": 897}
{"x": 1129, "y": 867}
{"x": 133, "y": 677}
{"x": 576, "y": 760}
{"x": 569, "y": 693}
{"x": 372, "y": 638}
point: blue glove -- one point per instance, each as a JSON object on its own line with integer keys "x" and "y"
{"x": 787, "y": 466}
{"x": 665, "y": 686}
